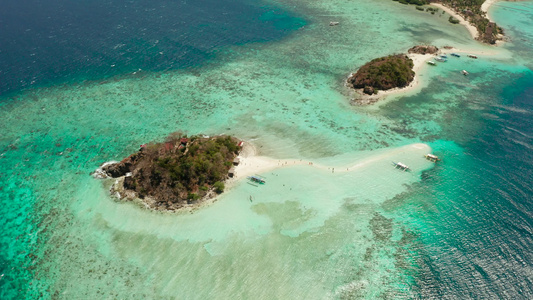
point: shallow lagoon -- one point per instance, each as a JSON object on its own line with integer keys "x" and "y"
{"x": 308, "y": 232}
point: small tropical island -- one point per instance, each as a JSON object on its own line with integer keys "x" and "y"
{"x": 180, "y": 172}
{"x": 384, "y": 73}
{"x": 389, "y": 75}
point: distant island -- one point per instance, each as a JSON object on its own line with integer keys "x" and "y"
{"x": 384, "y": 73}
{"x": 470, "y": 10}
{"x": 176, "y": 173}
{"x": 388, "y": 75}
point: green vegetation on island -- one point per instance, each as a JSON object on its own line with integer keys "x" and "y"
{"x": 470, "y": 10}
{"x": 180, "y": 171}
{"x": 383, "y": 73}
{"x": 414, "y": 2}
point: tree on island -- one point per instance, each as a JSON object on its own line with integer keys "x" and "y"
{"x": 471, "y": 11}
{"x": 179, "y": 171}
{"x": 384, "y": 73}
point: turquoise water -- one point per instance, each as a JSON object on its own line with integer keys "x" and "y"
{"x": 459, "y": 229}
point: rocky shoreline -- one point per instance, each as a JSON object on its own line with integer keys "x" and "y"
{"x": 182, "y": 172}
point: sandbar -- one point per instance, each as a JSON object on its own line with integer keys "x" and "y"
{"x": 251, "y": 163}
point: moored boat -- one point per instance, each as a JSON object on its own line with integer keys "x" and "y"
{"x": 431, "y": 63}
{"x": 257, "y": 179}
{"x": 431, "y": 157}
{"x": 464, "y": 72}
{"x": 444, "y": 56}
{"x": 440, "y": 59}
{"x": 455, "y": 54}
{"x": 472, "y": 56}
{"x": 401, "y": 166}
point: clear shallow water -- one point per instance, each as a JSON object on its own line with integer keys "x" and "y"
{"x": 376, "y": 233}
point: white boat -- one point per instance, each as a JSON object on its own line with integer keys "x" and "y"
{"x": 432, "y": 157}
{"x": 440, "y": 59}
{"x": 431, "y": 63}
{"x": 257, "y": 179}
{"x": 333, "y": 23}
{"x": 401, "y": 166}
{"x": 464, "y": 72}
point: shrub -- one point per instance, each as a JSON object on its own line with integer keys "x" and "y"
{"x": 453, "y": 20}
{"x": 193, "y": 196}
{"x": 219, "y": 187}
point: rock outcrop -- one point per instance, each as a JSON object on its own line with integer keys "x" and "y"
{"x": 423, "y": 50}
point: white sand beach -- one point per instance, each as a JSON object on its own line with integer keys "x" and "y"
{"x": 473, "y": 30}
{"x": 486, "y": 5}
{"x": 252, "y": 163}
{"x": 419, "y": 61}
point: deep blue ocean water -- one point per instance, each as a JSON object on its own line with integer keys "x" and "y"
{"x": 480, "y": 234}
{"x": 61, "y": 41}
{"x": 475, "y": 236}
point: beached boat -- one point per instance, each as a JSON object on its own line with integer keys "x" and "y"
{"x": 464, "y": 72}
{"x": 440, "y": 59}
{"x": 432, "y": 157}
{"x": 400, "y": 166}
{"x": 455, "y": 54}
{"x": 431, "y": 63}
{"x": 472, "y": 56}
{"x": 257, "y": 179}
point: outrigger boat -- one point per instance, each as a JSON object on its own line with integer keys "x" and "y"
{"x": 401, "y": 166}
{"x": 432, "y": 157}
{"x": 257, "y": 179}
{"x": 440, "y": 59}
{"x": 431, "y": 63}
{"x": 455, "y": 54}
